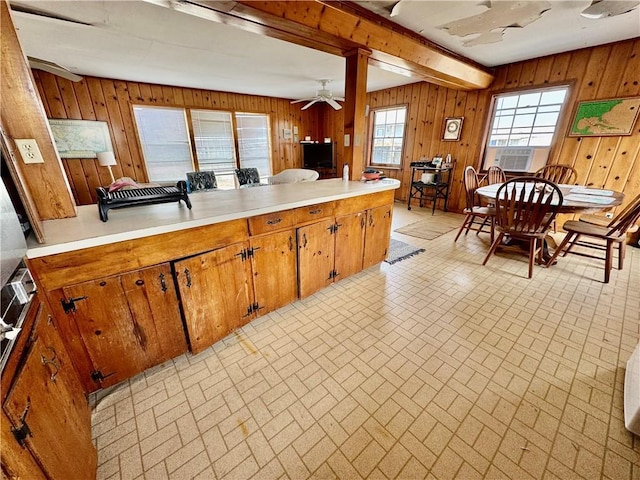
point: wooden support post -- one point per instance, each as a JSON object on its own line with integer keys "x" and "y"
{"x": 23, "y": 116}
{"x": 355, "y": 122}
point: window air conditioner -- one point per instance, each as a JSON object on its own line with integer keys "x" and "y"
{"x": 517, "y": 159}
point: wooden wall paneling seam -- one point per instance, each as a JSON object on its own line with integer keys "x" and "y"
{"x": 499, "y": 79}
{"x": 543, "y": 70}
{"x": 614, "y": 70}
{"x": 135, "y": 98}
{"x": 514, "y": 71}
{"x": 50, "y": 87}
{"x": 602, "y": 160}
{"x": 527, "y": 74}
{"x": 630, "y": 86}
{"x": 411, "y": 96}
{"x": 84, "y": 100}
{"x": 120, "y": 146}
{"x": 560, "y": 66}
{"x": 41, "y": 92}
{"x": 133, "y": 168}
{"x": 77, "y": 177}
{"x": 68, "y": 97}
{"x": 100, "y": 109}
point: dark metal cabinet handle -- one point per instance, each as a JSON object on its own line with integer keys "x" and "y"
{"x": 139, "y": 282}
{"x": 275, "y": 221}
{"x": 304, "y": 240}
{"x": 163, "y": 283}
{"x": 315, "y": 212}
{"x": 187, "y": 274}
{"x": 290, "y": 243}
{"x": 370, "y": 220}
{"x": 51, "y": 361}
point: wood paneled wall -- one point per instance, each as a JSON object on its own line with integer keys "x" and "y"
{"x": 111, "y": 101}
{"x": 607, "y": 71}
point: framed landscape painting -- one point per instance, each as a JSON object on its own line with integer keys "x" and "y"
{"x": 601, "y": 118}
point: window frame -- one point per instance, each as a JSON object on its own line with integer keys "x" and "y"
{"x": 370, "y": 136}
{"x": 561, "y": 124}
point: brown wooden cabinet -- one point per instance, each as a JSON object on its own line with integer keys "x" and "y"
{"x": 316, "y": 256}
{"x": 127, "y": 323}
{"x": 216, "y": 292}
{"x": 47, "y": 410}
{"x": 377, "y": 236}
{"x": 349, "y": 244}
{"x": 274, "y": 267}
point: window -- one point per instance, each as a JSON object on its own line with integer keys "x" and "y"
{"x": 169, "y": 152}
{"x": 387, "y": 135}
{"x": 213, "y": 137}
{"x": 526, "y": 122}
{"x": 165, "y": 142}
{"x": 253, "y": 142}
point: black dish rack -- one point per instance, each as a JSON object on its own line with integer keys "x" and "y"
{"x": 136, "y": 197}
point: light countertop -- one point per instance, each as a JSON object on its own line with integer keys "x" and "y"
{"x": 87, "y": 230}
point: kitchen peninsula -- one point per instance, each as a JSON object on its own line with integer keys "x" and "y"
{"x": 157, "y": 280}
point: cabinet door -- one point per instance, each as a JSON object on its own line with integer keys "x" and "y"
{"x": 274, "y": 270}
{"x": 349, "y": 244}
{"x": 377, "y": 236}
{"x": 315, "y": 257}
{"x": 128, "y": 323}
{"x": 47, "y": 396}
{"x": 216, "y": 293}
{"x": 153, "y": 303}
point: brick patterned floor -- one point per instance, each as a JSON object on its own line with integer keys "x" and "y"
{"x": 435, "y": 367}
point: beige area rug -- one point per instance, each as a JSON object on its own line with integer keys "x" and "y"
{"x": 433, "y": 227}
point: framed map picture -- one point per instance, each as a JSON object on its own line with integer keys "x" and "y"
{"x": 80, "y": 138}
{"x": 452, "y": 128}
{"x": 601, "y": 118}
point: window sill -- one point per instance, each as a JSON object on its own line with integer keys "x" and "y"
{"x": 385, "y": 167}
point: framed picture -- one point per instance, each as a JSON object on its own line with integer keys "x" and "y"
{"x": 80, "y": 138}
{"x": 602, "y": 118}
{"x": 452, "y": 128}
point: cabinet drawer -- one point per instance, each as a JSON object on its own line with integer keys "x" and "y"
{"x": 271, "y": 222}
{"x": 314, "y": 212}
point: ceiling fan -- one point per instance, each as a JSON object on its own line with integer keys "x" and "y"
{"x": 322, "y": 95}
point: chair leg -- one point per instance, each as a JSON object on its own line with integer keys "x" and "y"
{"x": 464, "y": 224}
{"x": 533, "y": 242}
{"x": 608, "y": 261}
{"x": 470, "y": 224}
{"x": 622, "y": 249}
{"x": 573, "y": 243}
{"x": 484, "y": 222}
{"x": 493, "y": 228}
{"x": 493, "y": 248}
{"x": 564, "y": 243}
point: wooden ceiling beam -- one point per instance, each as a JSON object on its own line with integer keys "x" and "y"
{"x": 333, "y": 28}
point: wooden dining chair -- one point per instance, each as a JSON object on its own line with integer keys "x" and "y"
{"x": 525, "y": 208}
{"x": 495, "y": 175}
{"x": 477, "y": 216}
{"x": 613, "y": 234}
{"x": 558, "y": 174}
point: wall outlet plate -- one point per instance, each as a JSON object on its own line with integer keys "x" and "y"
{"x": 29, "y": 150}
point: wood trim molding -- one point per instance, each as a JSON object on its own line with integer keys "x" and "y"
{"x": 335, "y": 28}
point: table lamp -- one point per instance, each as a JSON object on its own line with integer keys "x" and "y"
{"x": 106, "y": 159}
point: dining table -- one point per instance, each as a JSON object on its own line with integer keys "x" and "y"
{"x": 576, "y": 199}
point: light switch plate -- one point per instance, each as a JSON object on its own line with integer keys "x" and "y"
{"x": 29, "y": 150}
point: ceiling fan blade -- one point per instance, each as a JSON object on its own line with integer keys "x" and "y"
{"x": 53, "y": 68}
{"x": 310, "y": 103}
{"x": 333, "y": 103}
{"x": 303, "y": 100}
{"x": 340, "y": 99}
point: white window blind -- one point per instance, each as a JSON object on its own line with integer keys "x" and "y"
{"x": 213, "y": 135}
{"x": 165, "y": 142}
{"x": 253, "y": 142}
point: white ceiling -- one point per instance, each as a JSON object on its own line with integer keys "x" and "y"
{"x": 139, "y": 41}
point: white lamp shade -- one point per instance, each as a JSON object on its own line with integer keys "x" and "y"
{"x": 106, "y": 159}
